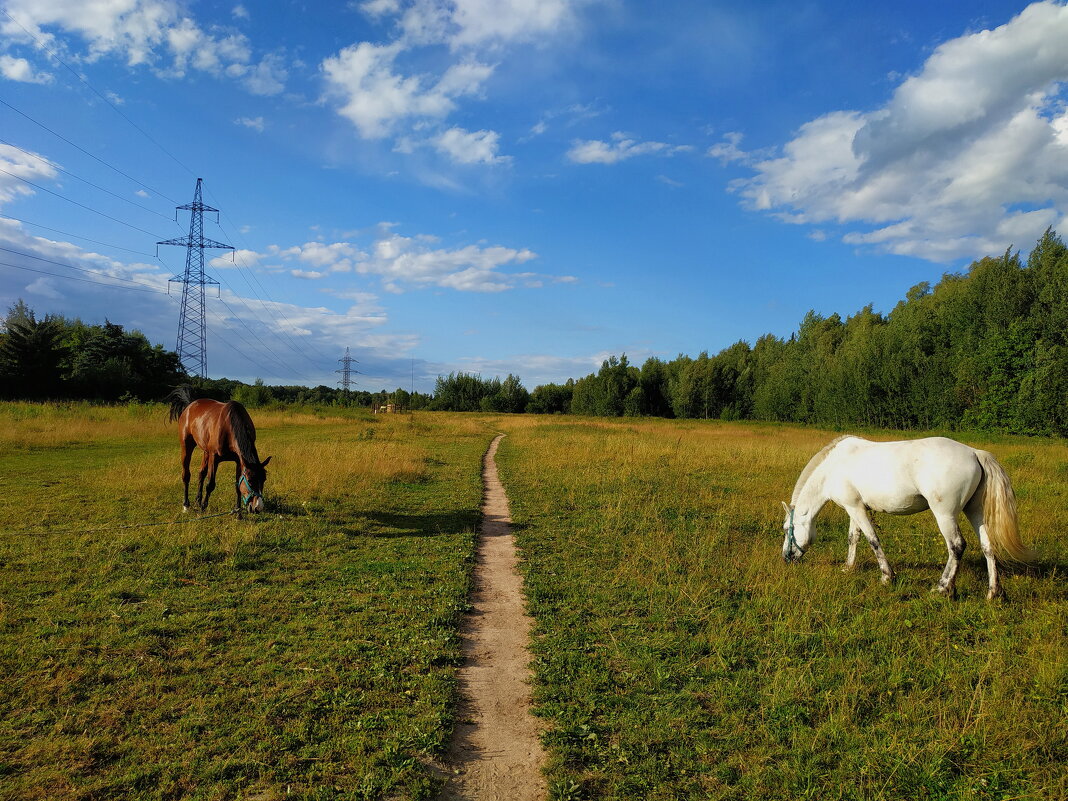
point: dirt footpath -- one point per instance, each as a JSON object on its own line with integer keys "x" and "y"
{"x": 495, "y": 754}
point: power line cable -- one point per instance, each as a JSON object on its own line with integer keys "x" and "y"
{"x": 82, "y": 205}
{"x": 75, "y": 236}
{"x": 83, "y": 150}
{"x": 95, "y": 91}
{"x": 55, "y": 166}
{"x": 325, "y": 359}
{"x": 139, "y": 288}
{"x": 72, "y": 266}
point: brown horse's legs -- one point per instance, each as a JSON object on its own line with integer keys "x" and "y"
{"x": 187, "y": 454}
{"x": 211, "y": 480}
{"x": 202, "y": 502}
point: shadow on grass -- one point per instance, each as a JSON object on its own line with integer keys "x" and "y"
{"x": 397, "y": 524}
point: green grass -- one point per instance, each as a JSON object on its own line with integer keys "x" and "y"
{"x": 311, "y": 652}
{"x": 306, "y": 653}
{"x": 677, "y": 657}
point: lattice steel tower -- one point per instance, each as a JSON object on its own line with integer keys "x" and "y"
{"x": 346, "y": 371}
{"x": 192, "y": 323}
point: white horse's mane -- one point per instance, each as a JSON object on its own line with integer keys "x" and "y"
{"x": 813, "y": 463}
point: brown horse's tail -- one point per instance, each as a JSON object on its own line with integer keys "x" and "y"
{"x": 999, "y": 511}
{"x": 179, "y": 398}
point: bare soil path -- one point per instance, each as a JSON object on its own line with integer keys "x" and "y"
{"x": 495, "y": 754}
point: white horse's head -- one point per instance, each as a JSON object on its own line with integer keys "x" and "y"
{"x": 798, "y": 530}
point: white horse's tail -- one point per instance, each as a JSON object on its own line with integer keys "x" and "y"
{"x": 999, "y": 511}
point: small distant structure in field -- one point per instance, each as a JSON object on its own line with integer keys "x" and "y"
{"x": 387, "y": 408}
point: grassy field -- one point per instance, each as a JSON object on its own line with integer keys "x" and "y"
{"x": 310, "y": 652}
{"x": 678, "y": 657}
{"x": 306, "y": 653}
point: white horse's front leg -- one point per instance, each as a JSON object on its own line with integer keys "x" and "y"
{"x": 947, "y": 524}
{"x": 851, "y": 555}
{"x": 858, "y": 516}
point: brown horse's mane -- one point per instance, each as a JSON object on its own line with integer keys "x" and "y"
{"x": 244, "y": 432}
{"x": 813, "y": 463}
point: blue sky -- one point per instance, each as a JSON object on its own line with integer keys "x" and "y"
{"x": 521, "y": 186}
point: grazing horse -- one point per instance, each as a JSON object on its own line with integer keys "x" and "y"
{"x": 224, "y": 433}
{"x": 903, "y": 478}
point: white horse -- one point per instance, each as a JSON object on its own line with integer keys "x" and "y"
{"x": 903, "y": 478}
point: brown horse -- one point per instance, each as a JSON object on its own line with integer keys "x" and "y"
{"x": 224, "y": 433}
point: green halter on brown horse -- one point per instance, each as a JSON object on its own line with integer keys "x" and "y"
{"x": 224, "y": 432}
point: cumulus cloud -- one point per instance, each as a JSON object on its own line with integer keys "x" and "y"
{"x": 728, "y": 149}
{"x": 620, "y": 148}
{"x": 470, "y": 147}
{"x": 16, "y": 164}
{"x": 154, "y": 33}
{"x": 969, "y": 156}
{"x": 374, "y": 97}
{"x": 19, "y": 69}
{"x": 255, "y": 123}
{"x": 373, "y": 89}
{"x": 404, "y": 262}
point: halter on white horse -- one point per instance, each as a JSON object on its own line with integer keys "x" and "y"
{"x": 906, "y": 477}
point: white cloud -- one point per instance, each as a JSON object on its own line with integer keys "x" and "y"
{"x": 481, "y": 21}
{"x": 374, "y": 97}
{"x": 240, "y": 12}
{"x": 403, "y": 262}
{"x": 375, "y": 91}
{"x": 620, "y": 148}
{"x": 379, "y": 8}
{"x": 728, "y": 151}
{"x": 153, "y": 33}
{"x": 16, "y": 164}
{"x": 255, "y": 123}
{"x": 19, "y": 69}
{"x": 969, "y": 156}
{"x": 266, "y": 78}
{"x": 470, "y": 147}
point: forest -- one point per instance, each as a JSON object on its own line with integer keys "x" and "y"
{"x": 984, "y": 349}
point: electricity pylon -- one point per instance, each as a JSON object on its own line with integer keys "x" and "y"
{"x": 346, "y": 371}
{"x": 192, "y": 322}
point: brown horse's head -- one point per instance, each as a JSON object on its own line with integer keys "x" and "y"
{"x": 253, "y": 477}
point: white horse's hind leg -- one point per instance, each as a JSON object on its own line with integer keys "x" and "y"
{"x": 974, "y": 511}
{"x": 947, "y": 524}
{"x": 851, "y": 556}
{"x": 858, "y": 517}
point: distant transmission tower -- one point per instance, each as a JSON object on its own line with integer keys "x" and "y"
{"x": 346, "y": 371}
{"x": 192, "y": 323}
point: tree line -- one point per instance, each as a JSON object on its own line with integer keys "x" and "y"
{"x": 983, "y": 349}
{"x": 53, "y": 358}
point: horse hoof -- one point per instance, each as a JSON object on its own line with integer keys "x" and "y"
{"x": 185, "y": 508}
